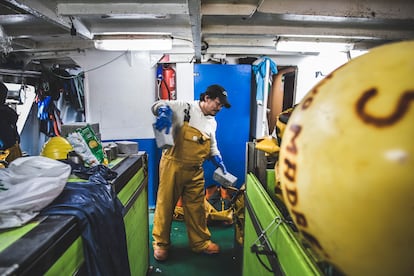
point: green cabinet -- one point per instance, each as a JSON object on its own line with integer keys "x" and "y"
{"x": 52, "y": 245}
{"x": 134, "y": 198}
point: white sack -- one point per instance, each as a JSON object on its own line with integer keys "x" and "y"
{"x": 27, "y": 186}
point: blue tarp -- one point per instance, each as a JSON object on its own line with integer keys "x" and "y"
{"x": 99, "y": 212}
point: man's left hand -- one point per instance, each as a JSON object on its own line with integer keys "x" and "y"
{"x": 218, "y": 162}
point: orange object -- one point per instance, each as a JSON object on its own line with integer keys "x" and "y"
{"x": 225, "y": 193}
{"x": 167, "y": 87}
{"x": 180, "y": 202}
{"x": 210, "y": 191}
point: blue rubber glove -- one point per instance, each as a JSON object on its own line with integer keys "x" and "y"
{"x": 218, "y": 162}
{"x": 164, "y": 118}
{"x": 43, "y": 108}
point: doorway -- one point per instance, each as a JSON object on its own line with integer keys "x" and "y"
{"x": 283, "y": 93}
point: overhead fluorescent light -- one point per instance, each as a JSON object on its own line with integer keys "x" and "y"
{"x": 310, "y": 46}
{"x": 135, "y": 16}
{"x": 133, "y": 42}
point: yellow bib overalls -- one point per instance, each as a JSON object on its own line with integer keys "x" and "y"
{"x": 181, "y": 174}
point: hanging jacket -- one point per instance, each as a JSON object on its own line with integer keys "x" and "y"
{"x": 259, "y": 69}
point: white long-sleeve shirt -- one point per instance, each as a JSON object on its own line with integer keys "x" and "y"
{"x": 206, "y": 124}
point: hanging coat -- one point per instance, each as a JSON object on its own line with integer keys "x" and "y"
{"x": 259, "y": 69}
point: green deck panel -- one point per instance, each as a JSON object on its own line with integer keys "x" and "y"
{"x": 270, "y": 181}
{"x": 70, "y": 261}
{"x": 251, "y": 263}
{"x": 293, "y": 258}
{"x": 132, "y": 185}
{"x": 115, "y": 162}
{"x": 9, "y": 236}
{"x": 136, "y": 228}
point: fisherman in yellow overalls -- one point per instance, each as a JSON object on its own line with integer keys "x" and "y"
{"x": 181, "y": 172}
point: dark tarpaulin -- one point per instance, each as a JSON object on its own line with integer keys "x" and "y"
{"x": 99, "y": 212}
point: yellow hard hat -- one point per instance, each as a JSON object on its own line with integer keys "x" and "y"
{"x": 56, "y": 148}
{"x": 347, "y": 160}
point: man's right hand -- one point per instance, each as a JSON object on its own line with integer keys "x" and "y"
{"x": 164, "y": 118}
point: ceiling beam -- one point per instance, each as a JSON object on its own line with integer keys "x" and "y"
{"x": 120, "y": 8}
{"x": 194, "y": 8}
{"x": 227, "y": 9}
{"x": 25, "y": 43}
{"x": 309, "y": 31}
{"x": 56, "y": 46}
{"x": 39, "y": 9}
{"x": 242, "y": 41}
{"x": 239, "y": 50}
{"x": 396, "y": 9}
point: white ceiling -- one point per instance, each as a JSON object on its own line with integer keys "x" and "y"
{"x": 36, "y": 31}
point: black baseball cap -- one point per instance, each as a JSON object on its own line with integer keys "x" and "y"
{"x": 217, "y": 91}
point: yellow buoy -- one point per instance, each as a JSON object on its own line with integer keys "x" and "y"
{"x": 347, "y": 164}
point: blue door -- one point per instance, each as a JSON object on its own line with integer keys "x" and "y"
{"x": 233, "y": 124}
